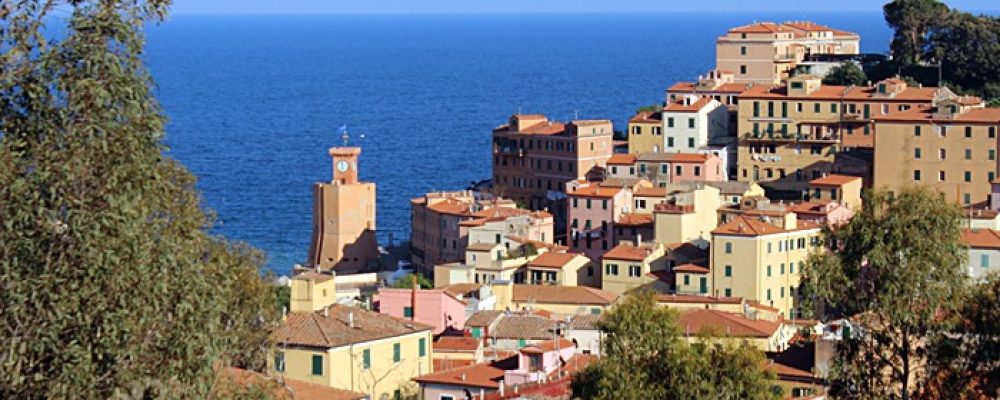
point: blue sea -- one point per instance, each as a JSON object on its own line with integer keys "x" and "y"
{"x": 255, "y": 101}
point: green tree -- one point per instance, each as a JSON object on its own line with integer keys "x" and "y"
{"x": 845, "y": 74}
{"x": 110, "y": 285}
{"x": 406, "y": 282}
{"x": 968, "y": 47}
{"x": 895, "y": 270}
{"x": 913, "y": 21}
{"x": 645, "y": 357}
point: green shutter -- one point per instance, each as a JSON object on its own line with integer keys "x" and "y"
{"x": 423, "y": 347}
{"x": 366, "y": 357}
{"x": 704, "y": 285}
{"x": 395, "y": 352}
{"x": 521, "y": 343}
{"x": 407, "y": 312}
{"x": 317, "y": 365}
{"x": 477, "y": 332}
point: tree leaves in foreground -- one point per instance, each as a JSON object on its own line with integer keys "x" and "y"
{"x": 110, "y": 285}
{"x": 845, "y": 74}
{"x": 645, "y": 357}
{"x": 896, "y": 270}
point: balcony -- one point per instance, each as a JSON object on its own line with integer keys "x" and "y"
{"x": 853, "y": 116}
{"x": 788, "y": 57}
{"x": 768, "y": 137}
{"x": 818, "y": 137}
{"x": 508, "y": 151}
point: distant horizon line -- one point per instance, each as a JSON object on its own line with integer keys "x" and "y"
{"x": 535, "y": 12}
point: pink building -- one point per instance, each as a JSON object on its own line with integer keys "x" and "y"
{"x": 593, "y": 210}
{"x": 434, "y": 307}
{"x": 823, "y": 213}
{"x": 665, "y": 168}
{"x": 540, "y": 360}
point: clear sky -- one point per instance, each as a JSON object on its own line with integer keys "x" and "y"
{"x": 465, "y": 6}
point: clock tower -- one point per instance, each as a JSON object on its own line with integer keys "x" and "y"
{"x": 343, "y": 218}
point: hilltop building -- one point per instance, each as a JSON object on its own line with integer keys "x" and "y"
{"x": 343, "y": 217}
{"x": 767, "y": 52}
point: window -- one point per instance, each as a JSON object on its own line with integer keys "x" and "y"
{"x": 993, "y": 132}
{"x": 768, "y": 294}
{"x": 691, "y": 123}
{"x": 317, "y": 365}
{"x": 992, "y": 155}
{"x": 941, "y": 175}
{"x": 816, "y": 108}
{"x": 611, "y": 269}
{"x": 916, "y": 131}
{"x": 916, "y": 175}
{"x": 796, "y": 85}
{"x": 942, "y": 154}
{"x": 677, "y": 170}
{"x": 636, "y": 130}
{"x": 634, "y": 271}
{"x": 279, "y": 361}
{"x": 791, "y": 268}
{"x": 729, "y": 270}
{"x": 446, "y": 397}
{"x": 916, "y": 153}
{"x": 729, "y": 248}
{"x": 768, "y": 249}
{"x": 396, "y": 353}
{"x": 781, "y": 292}
{"x": 968, "y": 176}
{"x": 670, "y": 142}
{"x": 604, "y": 204}
{"x": 729, "y": 292}
{"x": 366, "y": 355}
{"x": 687, "y": 279}
{"x": 833, "y": 107}
{"x": 703, "y": 285}
{"x": 691, "y": 143}
{"x": 984, "y": 260}
{"x": 697, "y": 170}
{"x": 743, "y": 69}
{"x": 657, "y": 130}
{"x": 798, "y": 107}
{"x": 942, "y": 130}
{"x": 768, "y": 270}
{"x": 423, "y": 347}
{"x": 781, "y": 269}
{"x": 407, "y": 312}
{"x": 968, "y": 131}
{"x": 743, "y": 50}
{"x": 968, "y": 154}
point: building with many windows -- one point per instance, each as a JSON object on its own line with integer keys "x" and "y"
{"x": 767, "y": 52}
{"x": 593, "y": 210}
{"x": 761, "y": 261}
{"x": 951, "y": 147}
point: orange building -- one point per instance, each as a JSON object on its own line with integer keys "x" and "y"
{"x": 343, "y": 217}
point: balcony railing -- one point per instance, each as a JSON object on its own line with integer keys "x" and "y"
{"x": 791, "y": 137}
{"x": 508, "y": 150}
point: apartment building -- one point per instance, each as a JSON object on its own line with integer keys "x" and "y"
{"x": 687, "y": 214}
{"x": 593, "y": 210}
{"x": 534, "y": 157}
{"x": 791, "y": 134}
{"x": 683, "y": 125}
{"x": 951, "y": 147}
{"x": 767, "y": 52}
{"x": 562, "y": 269}
{"x": 662, "y": 169}
{"x": 436, "y": 233}
{"x": 761, "y": 260}
{"x": 627, "y": 265}
{"x": 983, "y": 252}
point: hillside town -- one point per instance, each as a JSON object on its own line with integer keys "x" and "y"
{"x": 712, "y": 201}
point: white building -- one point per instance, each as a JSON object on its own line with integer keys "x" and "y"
{"x": 984, "y": 252}
{"x": 690, "y": 122}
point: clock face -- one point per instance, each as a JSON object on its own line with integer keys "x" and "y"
{"x": 342, "y": 166}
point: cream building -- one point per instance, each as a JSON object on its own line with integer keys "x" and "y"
{"x": 687, "y": 214}
{"x": 766, "y": 52}
{"x": 560, "y": 301}
{"x": 951, "y": 147}
{"x": 761, "y": 261}
{"x": 628, "y": 265}
{"x": 347, "y": 347}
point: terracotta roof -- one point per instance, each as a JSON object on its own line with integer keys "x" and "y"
{"x": 313, "y": 275}
{"x": 783, "y": 370}
{"x": 523, "y": 326}
{"x": 981, "y": 238}
{"x": 646, "y": 117}
{"x": 745, "y": 226}
{"x": 460, "y": 289}
{"x": 621, "y": 159}
{"x": 688, "y": 250}
{"x": 728, "y": 88}
{"x": 547, "y": 346}
{"x": 482, "y": 375}
{"x": 980, "y": 213}
{"x": 761, "y": 27}
{"x": 313, "y": 329}
{"x": 482, "y": 318}
{"x": 562, "y": 295}
{"x": 635, "y": 219}
{"x": 836, "y": 92}
{"x": 813, "y": 207}
{"x": 481, "y": 246}
{"x": 558, "y": 248}
{"x": 630, "y": 252}
{"x": 445, "y": 364}
{"x": 691, "y": 268}
{"x": 630, "y": 182}
{"x": 545, "y": 128}
{"x": 553, "y": 260}
{"x": 232, "y": 380}
{"x": 693, "y": 299}
{"x": 814, "y": 27}
{"x": 596, "y": 191}
{"x": 451, "y": 206}
{"x": 674, "y": 157}
{"x": 650, "y": 192}
{"x": 456, "y": 344}
{"x": 834, "y": 180}
{"x": 926, "y": 114}
{"x": 695, "y": 106}
{"x": 585, "y": 321}
{"x": 733, "y": 324}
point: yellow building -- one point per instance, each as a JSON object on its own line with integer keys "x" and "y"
{"x": 311, "y": 291}
{"x": 951, "y": 147}
{"x": 561, "y": 301}
{"x": 761, "y": 261}
{"x": 645, "y": 132}
{"x": 343, "y": 217}
{"x": 762, "y": 334}
{"x": 790, "y": 134}
{"x": 843, "y": 189}
{"x": 766, "y": 52}
{"x": 351, "y": 349}
{"x": 628, "y": 266}
{"x": 687, "y": 213}
{"x": 562, "y": 269}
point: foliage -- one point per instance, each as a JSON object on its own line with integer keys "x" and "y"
{"x": 282, "y": 296}
{"x": 845, "y": 74}
{"x": 110, "y": 285}
{"x": 649, "y": 108}
{"x": 406, "y": 282}
{"x": 913, "y": 21}
{"x": 896, "y": 270}
{"x": 969, "y": 48}
{"x": 645, "y": 357}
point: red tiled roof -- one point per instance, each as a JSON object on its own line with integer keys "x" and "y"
{"x": 456, "y": 343}
{"x": 553, "y": 260}
{"x": 625, "y": 251}
{"x": 541, "y": 294}
{"x": 596, "y": 191}
{"x": 445, "y": 364}
{"x": 981, "y": 238}
{"x": 761, "y": 27}
{"x": 651, "y": 191}
{"x": 482, "y": 375}
{"x": 692, "y": 299}
{"x": 232, "y": 380}
{"x": 834, "y": 180}
{"x": 635, "y": 219}
{"x": 783, "y": 370}
{"x": 621, "y": 159}
{"x": 315, "y": 329}
{"x": 679, "y": 106}
{"x": 691, "y": 268}
{"x": 733, "y": 324}
{"x": 836, "y": 92}
{"x": 547, "y": 346}
{"x": 925, "y": 114}
{"x": 744, "y": 226}
{"x": 482, "y": 318}
{"x": 646, "y": 117}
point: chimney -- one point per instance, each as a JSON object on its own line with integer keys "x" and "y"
{"x": 413, "y": 298}
{"x": 350, "y": 319}
{"x": 638, "y": 240}
{"x": 326, "y": 312}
